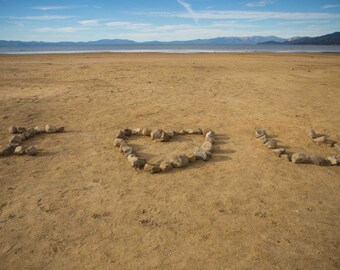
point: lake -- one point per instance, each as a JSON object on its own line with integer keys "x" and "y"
{"x": 172, "y": 48}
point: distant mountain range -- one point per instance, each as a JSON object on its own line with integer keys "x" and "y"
{"x": 330, "y": 39}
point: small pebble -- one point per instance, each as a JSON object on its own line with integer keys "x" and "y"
{"x": 118, "y": 142}
{"x": 263, "y": 139}
{"x": 146, "y": 132}
{"x": 271, "y": 144}
{"x": 300, "y": 158}
{"x": 259, "y": 133}
{"x": 19, "y": 150}
{"x": 311, "y": 134}
{"x": 40, "y": 129}
{"x": 31, "y": 151}
{"x": 12, "y": 130}
{"x": 334, "y": 160}
{"x": 320, "y": 140}
{"x": 50, "y": 128}
{"x": 316, "y": 160}
{"x": 165, "y": 166}
{"x": 278, "y": 152}
{"x": 179, "y": 161}
{"x": 121, "y": 135}
{"x": 151, "y": 168}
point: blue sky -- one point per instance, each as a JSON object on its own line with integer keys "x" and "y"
{"x": 164, "y": 20}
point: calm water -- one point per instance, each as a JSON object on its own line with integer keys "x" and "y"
{"x": 172, "y": 48}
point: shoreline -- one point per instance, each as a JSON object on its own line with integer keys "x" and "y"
{"x": 168, "y": 52}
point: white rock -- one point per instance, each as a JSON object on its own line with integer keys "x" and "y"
{"x": 334, "y": 160}
{"x": 40, "y": 129}
{"x": 19, "y": 150}
{"x": 50, "y": 128}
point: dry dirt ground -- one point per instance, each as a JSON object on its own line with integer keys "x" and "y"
{"x": 79, "y": 205}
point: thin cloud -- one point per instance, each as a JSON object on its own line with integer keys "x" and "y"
{"x": 248, "y": 15}
{"x": 261, "y": 3}
{"x": 127, "y": 25}
{"x": 189, "y": 9}
{"x": 330, "y": 6}
{"x": 89, "y": 22}
{"x": 59, "y": 29}
{"x": 45, "y": 8}
{"x": 39, "y": 18}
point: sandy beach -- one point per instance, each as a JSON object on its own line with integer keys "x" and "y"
{"x": 79, "y": 205}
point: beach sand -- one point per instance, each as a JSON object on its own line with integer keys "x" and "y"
{"x": 79, "y": 204}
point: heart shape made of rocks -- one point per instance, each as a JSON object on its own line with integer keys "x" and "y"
{"x": 204, "y": 152}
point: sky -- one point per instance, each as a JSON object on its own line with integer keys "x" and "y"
{"x": 164, "y": 20}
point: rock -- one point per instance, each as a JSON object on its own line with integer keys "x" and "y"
{"x": 192, "y": 158}
{"x": 40, "y": 129}
{"x": 209, "y": 139}
{"x": 16, "y": 140}
{"x": 160, "y": 136}
{"x": 30, "y": 133}
{"x": 12, "y": 130}
{"x": 165, "y": 166}
{"x": 286, "y": 157}
{"x": 334, "y": 160}
{"x": 126, "y": 150}
{"x": 210, "y": 136}
{"x": 31, "y": 151}
{"x": 9, "y": 150}
{"x": 320, "y": 140}
{"x": 181, "y": 132}
{"x": 156, "y": 135}
{"x": 127, "y": 132}
{"x": 330, "y": 143}
{"x": 271, "y": 144}
{"x": 136, "y": 131}
{"x": 50, "y": 128}
{"x": 122, "y": 144}
{"x": 189, "y": 131}
{"x": 60, "y": 129}
{"x": 146, "y": 132}
{"x": 179, "y": 161}
{"x": 311, "y": 134}
{"x": 136, "y": 162}
{"x": 152, "y": 168}
{"x": 316, "y": 160}
{"x": 121, "y": 135}
{"x": 21, "y": 129}
{"x": 19, "y": 150}
{"x": 201, "y": 154}
{"x": 278, "y": 152}
{"x": 300, "y": 158}
{"x": 337, "y": 146}
{"x": 205, "y": 131}
{"x": 165, "y": 137}
{"x": 118, "y": 142}
{"x": 207, "y": 146}
{"x": 263, "y": 139}
{"x": 198, "y": 131}
{"x": 259, "y": 133}
{"x": 171, "y": 134}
